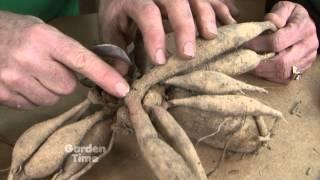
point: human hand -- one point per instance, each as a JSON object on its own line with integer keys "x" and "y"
{"x": 295, "y": 42}
{"x": 36, "y": 64}
{"x": 185, "y": 16}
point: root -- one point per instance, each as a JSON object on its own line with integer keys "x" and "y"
{"x": 178, "y": 138}
{"x": 78, "y": 115}
{"x": 31, "y": 140}
{"x": 5, "y": 170}
{"x": 264, "y": 139}
{"x": 262, "y": 127}
{"x": 264, "y": 132}
{"x": 212, "y": 82}
{"x": 228, "y": 105}
{"x": 222, "y": 157}
{"x": 152, "y": 147}
{"x": 53, "y": 150}
{"x": 213, "y": 134}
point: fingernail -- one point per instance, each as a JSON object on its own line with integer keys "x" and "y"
{"x": 122, "y": 89}
{"x": 160, "y": 57}
{"x": 188, "y": 49}
{"x": 212, "y": 28}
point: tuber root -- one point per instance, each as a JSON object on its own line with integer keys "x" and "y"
{"x": 214, "y": 129}
{"x": 176, "y": 136}
{"x": 237, "y": 62}
{"x": 158, "y": 154}
{"x": 99, "y": 136}
{"x": 211, "y": 82}
{"x": 228, "y": 105}
{"x": 32, "y": 139}
{"x": 50, "y": 156}
{"x": 153, "y": 97}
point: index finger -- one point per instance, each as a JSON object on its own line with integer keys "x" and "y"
{"x": 72, "y": 54}
{"x": 298, "y": 27}
{"x": 151, "y": 28}
{"x": 280, "y": 13}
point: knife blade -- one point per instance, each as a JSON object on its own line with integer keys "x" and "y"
{"x": 111, "y": 51}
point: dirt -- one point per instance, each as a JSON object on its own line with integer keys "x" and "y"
{"x": 293, "y": 153}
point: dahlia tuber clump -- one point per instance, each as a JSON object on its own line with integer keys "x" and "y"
{"x": 166, "y": 106}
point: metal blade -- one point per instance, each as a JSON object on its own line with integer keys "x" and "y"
{"x": 111, "y": 51}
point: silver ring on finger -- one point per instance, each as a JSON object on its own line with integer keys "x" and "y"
{"x": 296, "y": 74}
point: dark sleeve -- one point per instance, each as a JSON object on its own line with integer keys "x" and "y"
{"x": 315, "y": 15}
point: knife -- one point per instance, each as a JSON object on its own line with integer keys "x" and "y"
{"x": 111, "y": 51}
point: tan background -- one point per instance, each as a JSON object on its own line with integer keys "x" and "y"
{"x": 295, "y": 147}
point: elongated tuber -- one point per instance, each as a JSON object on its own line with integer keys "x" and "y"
{"x": 31, "y": 140}
{"x": 52, "y": 153}
{"x": 157, "y": 153}
{"x": 214, "y": 129}
{"x": 228, "y": 105}
{"x": 177, "y": 137}
{"x": 238, "y": 62}
{"x": 99, "y": 136}
{"x": 211, "y": 82}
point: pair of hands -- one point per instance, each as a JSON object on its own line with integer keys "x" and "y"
{"x": 37, "y": 61}
{"x": 295, "y": 42}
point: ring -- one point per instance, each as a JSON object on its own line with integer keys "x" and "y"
{"x": 295, "y": 73}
